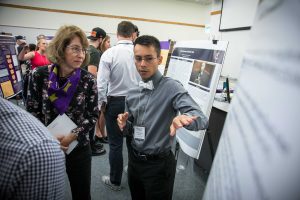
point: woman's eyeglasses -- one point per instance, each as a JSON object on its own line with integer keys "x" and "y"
{"x": 78, "y": 50}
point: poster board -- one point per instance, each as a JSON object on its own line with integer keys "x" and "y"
{"x": 258, "y": 153}
{"x": 165, "y": 47}
{"x": 10, "y": 72}
{"x": 197, "y": 65}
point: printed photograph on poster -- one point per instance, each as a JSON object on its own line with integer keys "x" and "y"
{"x": 202, "y": 73}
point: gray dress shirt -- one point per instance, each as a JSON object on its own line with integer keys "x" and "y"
{"x": 155, "y": 110}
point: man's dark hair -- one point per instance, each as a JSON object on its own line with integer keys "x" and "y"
{"x": 32, "y": 47}
{"x": 136, "y": 29}
{"x": 125, "y": 29}
{"x": 148, "y": 40}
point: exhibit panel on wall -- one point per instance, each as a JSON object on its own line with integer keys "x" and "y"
{"x": 10, "y": 72}
{"x": 197, "y": 65}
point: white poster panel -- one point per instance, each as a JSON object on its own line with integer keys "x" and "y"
{"x": 197, "y": 65}
{"x": 258, "y": 156}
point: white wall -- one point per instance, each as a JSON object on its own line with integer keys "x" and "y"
{"x": 175, "y": 11}
{"x": 36, "y": 22}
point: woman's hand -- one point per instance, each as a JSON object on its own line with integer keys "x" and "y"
{"x": 65, "y": 140}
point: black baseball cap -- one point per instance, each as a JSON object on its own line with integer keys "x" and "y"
{"x": 20, "y": 37}
{"x": 97, "y": 33}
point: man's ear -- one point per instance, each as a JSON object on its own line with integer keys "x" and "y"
{"x": 160, "y": 58}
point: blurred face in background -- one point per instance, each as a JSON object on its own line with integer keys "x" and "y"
{"x": 42, "y": 45}
{"x": 107, "y": 44}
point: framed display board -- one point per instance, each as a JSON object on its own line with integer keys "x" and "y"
{"x": 197, "y": 65}
{"x": 10, "y": 71}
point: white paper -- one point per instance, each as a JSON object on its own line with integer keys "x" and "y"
{"x": 63, "y": 125}
{"x": 258, "y": 156}
{"x": 19, "y": 77}
{"x": 190, "y": 141}
{"x": 15, "y": 60}
{"x": 161, "y": 68}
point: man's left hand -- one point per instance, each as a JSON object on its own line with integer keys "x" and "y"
{"x": 180, "y": 121}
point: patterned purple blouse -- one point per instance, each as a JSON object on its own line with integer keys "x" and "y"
{"x": 83, "y": 108}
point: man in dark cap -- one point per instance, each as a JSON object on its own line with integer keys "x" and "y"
{"x": 21, "y": 42}
{"x": 95, "y": 39}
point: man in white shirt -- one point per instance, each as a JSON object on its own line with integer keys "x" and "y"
{"x": 116, "y": 75}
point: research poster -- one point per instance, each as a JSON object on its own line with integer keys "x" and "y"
{"x": 197, "y": 65}
{"x": 258, "y": 156}
{"x": 10, "y": 72}
{"x": 165, "y": 48}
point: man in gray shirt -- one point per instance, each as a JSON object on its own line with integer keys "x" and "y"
{"x": 152, "y": 119}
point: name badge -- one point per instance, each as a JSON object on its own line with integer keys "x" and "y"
{"x": 139, "y": 132}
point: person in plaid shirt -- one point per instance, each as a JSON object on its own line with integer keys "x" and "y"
{"x": 32, "y": 165}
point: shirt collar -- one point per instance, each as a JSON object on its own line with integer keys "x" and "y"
{"x": 155, "y": 79}
{"x": 125, "y": 42}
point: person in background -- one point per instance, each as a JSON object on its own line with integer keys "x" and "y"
{"x": 95, "y": 40}
{"x": 116, "y": 76}
{"x": 37, "y": 58}
{"x": 41, "y": 36}
{"x": 136, "y": 33}
{"x": 20, "y": 42}
{"x": 64, "y": 88}
{"x": 152, "y": 118}
{"x": 105, "y": 44}
{"x": 32, "y": 165}
{"x": 100, "y": 127}
{"x": 31, "y": 47}
{"x": 128, "y": 137}
{"x": 26, "y": 69}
